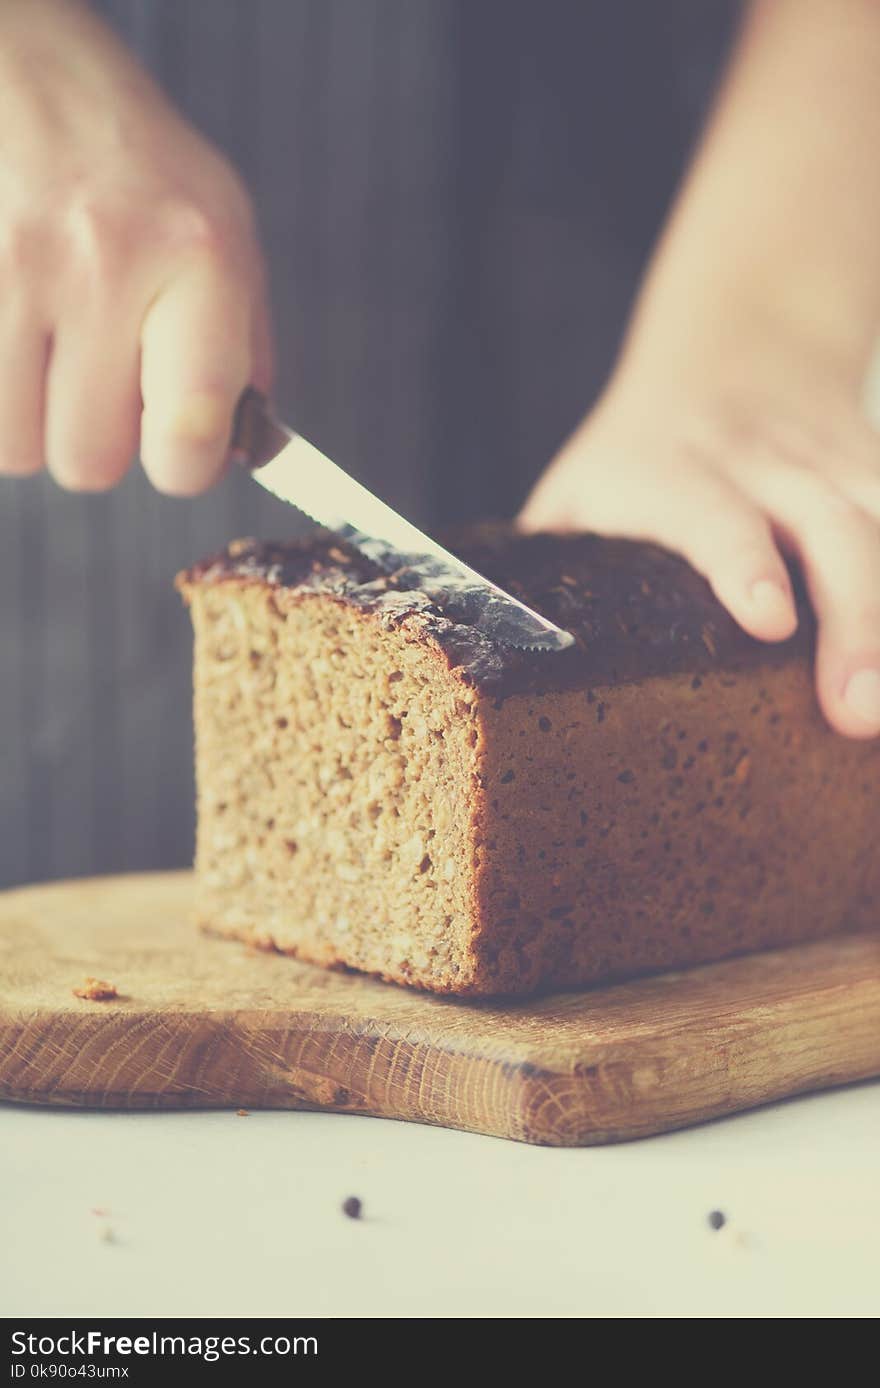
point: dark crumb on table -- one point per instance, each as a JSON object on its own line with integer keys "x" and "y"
{"x": 352, "y": 1207}
{"x": 96, "y": 990}
{"x": 242, "y": 1113}
{"x": 717, "y": 1219}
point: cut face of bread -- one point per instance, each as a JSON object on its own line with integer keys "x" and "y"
{"x": 379, "y": 788}
{"x": 334, "y": 761}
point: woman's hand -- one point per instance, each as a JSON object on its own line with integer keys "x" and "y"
{"x": 131, "y": 284}
{"x": 732, "y": 473}
{"x": 732, "y": 429}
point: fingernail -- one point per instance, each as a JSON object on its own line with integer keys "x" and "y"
{"x": 862, "y": 696}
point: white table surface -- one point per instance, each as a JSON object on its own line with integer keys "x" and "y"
{"x": 212, "y": 1215}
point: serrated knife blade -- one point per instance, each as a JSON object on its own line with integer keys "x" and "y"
{"x": 295, "y": 471}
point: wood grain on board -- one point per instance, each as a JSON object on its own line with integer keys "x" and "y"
{"x": 204, "y": 1023}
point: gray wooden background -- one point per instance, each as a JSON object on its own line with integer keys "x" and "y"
{"x": 457, "y": 197}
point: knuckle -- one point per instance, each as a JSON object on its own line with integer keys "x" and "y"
{"x": 96, "y": 235}
{"x": 236, "y": 198}
{"x": 813, "y": 500}
{"x": 760, "y": 439}
{"x": 745, "y": 554}
{"x": 830, "y": 504}
{"x": 188, "y": 228}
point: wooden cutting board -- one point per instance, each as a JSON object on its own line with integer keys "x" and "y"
{"x": 203, "y": 1023}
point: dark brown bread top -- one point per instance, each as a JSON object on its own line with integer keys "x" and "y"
{"x": 634, "y": 609}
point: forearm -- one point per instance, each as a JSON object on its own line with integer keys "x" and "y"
{"x": 733, "y": 430}
{"x": 780, "y": 214}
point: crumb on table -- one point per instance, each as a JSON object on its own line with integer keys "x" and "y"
{"x": 96, "y": 990}
{"x": 352, "y": 1207}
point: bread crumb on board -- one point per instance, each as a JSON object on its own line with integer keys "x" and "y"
{"x": 96, "y": 990}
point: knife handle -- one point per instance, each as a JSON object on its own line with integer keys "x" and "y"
{"x": 256, "y": 434}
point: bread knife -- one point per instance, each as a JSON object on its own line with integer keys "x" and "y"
{"x": 294, "y": 470}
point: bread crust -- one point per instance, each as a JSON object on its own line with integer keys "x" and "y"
{"x": 481, "y": 822}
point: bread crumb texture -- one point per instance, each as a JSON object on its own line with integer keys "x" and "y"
{"x": 364, "y": 802}
{"x": 337, "y": 771}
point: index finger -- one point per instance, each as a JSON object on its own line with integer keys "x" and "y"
{"x": 196, "y": 358}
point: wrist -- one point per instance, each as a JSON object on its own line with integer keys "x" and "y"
{"x": 767, "y": 328}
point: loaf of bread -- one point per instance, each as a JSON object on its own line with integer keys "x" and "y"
{"x": 381, "y": 787}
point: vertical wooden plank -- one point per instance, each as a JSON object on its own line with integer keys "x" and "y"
{"x": 18, "y": 673}
{"x": 60, "y": 746}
